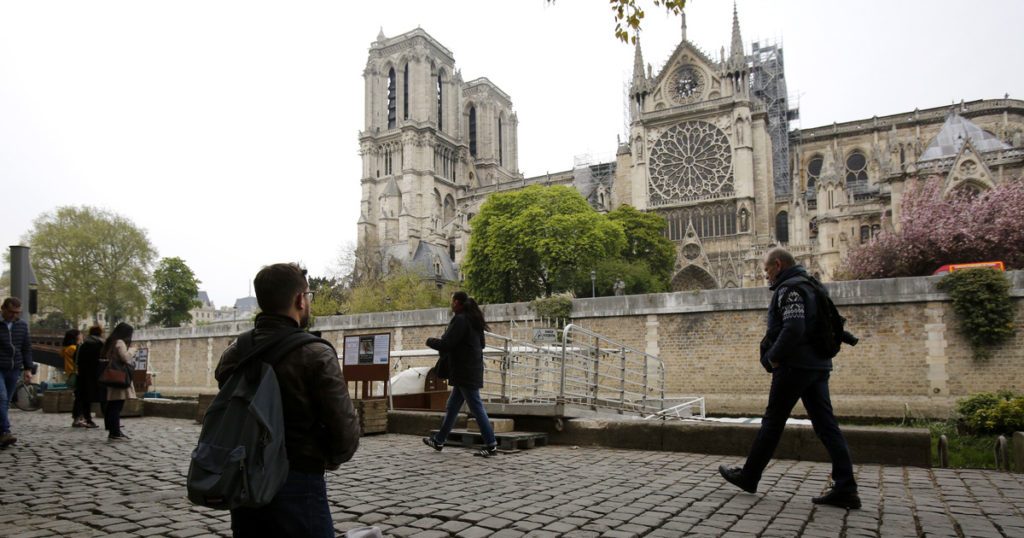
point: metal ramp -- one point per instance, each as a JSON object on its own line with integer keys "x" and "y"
{"x": 576, "y": 372}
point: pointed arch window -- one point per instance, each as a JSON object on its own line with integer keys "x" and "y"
{"x": 814, "y": 171}
{"x": 391, "y": 98}
{"x": 501, "y": 139}
{"x": 405, "y": 93}
{"x": 856, "y": 168}
{"x": 440, "y": 100}
{"x": 472, "y": 131}
{"x": 782, "y": 227}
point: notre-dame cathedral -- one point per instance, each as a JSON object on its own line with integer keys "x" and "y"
{"x": 709, "y": 148}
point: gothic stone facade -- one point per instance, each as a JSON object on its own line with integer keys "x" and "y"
{"x": 709, "y": 148}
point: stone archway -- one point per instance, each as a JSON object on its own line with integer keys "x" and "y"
{"x": 693, "y": 278}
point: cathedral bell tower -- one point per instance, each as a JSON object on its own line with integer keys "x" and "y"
{"x": 428, "y": 139}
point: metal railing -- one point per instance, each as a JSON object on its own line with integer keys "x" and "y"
{"x": 581, "y": 369}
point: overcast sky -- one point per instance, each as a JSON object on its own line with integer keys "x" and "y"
{"x": 228, "y": 130}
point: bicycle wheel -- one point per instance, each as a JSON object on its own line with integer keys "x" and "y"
{"x": 26, "y": 396}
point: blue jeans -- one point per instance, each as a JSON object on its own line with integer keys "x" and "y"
{"x": 810, "y": 386}
{"x": 470, "y": 396}
{"x": 10, "y": 380}
{"x": 300, "y": 509}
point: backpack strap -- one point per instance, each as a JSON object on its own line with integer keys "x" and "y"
{"x": 272, "y": 350}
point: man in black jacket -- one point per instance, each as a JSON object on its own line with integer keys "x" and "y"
{"x": 799, "y": 372}
{"x": 15, "y": 361}
{"x": 321, "y": 425}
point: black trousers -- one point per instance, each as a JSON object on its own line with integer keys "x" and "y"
{"x": 112, "y": 416}
{"x": 82, "y": 408}
{"x": 811, "y": 387}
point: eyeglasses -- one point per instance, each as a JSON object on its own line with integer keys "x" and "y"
{"x": 309, "y": 295}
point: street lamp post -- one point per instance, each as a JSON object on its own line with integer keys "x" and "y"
{"x": 593, "y": 283}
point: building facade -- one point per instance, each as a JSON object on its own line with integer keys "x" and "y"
{"x": 710, "y": 149}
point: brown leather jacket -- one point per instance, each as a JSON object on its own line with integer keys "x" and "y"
{"x": 321, "y": 426}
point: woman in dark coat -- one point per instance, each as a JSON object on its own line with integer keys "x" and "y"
{"x": 87, "y": 358}
{"x": 463, "y": 344}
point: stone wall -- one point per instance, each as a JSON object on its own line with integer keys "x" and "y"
{"x": 911, "y": 355}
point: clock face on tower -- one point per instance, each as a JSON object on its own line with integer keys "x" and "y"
{"x": 688, "y": 84}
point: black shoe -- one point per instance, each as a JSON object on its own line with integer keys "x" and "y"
{"x": 842, "y": 499}
{"x": 488, "y": 452}
{"x": 7, "y": 439}
{"x": 734, "y": 476}
{"x": 117, "y": 437}
{"x": 429, "y": 441}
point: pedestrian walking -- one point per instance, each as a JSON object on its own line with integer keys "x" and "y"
{"x": 15, "y": 362}
{"x": 116, "y": 350}
{"x": 463, "y": 344}
{"x": 799, "y": 372}
{"x": 87, "y": 358}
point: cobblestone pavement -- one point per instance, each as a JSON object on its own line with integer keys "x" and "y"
{"x": 59, "y": 481}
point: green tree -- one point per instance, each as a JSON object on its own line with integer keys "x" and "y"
{"x": 637, "y": 277}
{"x": 534, "y": 241}
{"x": 328, "y": 296}
{"x": 646, "y": 243}
{"x": 401, "y": 289}
{"x": 174, "y": 293}
{"x": 90, "y": 260}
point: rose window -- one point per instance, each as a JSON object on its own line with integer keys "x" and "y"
{"x": 689, "y": 161}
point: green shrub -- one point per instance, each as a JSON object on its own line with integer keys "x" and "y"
{"x": 557, "y": 307}
{"x": 981, "y": 301}
{"x": 986, "y": 412}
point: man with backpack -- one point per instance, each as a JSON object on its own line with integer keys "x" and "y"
{"x": 321, "y": 428}
{"x": 804, "y": 332}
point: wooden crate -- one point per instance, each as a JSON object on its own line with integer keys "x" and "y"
{"x": 373, "y": 415}
{"x": 58, "y": 401}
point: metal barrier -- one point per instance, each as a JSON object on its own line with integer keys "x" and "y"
{"x": 582, "y": 371}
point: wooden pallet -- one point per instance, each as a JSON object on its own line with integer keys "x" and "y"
{"x": 506, "y": 440}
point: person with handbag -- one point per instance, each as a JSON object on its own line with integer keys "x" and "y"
{"x": 461, "y": 347}
{"x": 117, "y": 378}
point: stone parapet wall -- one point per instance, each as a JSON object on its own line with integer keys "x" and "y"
{"x": 911, "y": 355}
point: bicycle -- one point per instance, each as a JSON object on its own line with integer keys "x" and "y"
{"x": 27, "y": 396}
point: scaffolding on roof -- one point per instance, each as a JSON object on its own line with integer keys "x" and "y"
{"x": 768, "y": 83}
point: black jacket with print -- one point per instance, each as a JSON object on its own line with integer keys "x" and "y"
{"x": 791, "y": 318}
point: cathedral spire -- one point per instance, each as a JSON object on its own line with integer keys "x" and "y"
{"x": 682, "y": 15}
{"x": 639, "y": 84}
{"x": 736, "y": 54}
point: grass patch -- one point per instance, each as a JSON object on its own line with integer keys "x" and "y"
{"x": 966, "y": 451}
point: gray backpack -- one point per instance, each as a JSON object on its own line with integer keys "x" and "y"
{"x": 240, "y": 460}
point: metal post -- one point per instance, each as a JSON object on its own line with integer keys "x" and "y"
{"x": 505, "y": 363}
{"x": 643, "y": 400}
{"x": 622, "y": 378}
{"x": 21, "y": 278}
{"x": 597, "y": 369}
{"x": 561, "y": 376}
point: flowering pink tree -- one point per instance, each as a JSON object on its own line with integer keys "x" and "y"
{"x": 960, "y": 227}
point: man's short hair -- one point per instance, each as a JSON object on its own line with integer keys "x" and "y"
{"x": 782, "y": 255}
{"x": 11, "y": 302}
{"x": 277, "y": 285}
{"x": 95, "y": 330}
